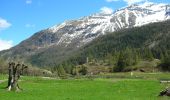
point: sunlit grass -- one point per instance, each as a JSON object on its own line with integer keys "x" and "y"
{"x": 36, "y": 88}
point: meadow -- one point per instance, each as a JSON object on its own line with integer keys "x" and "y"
{"x": 118, "y": 86}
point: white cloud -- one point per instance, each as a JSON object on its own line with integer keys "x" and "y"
{"x": 129, "y": 2}
{"x": 28, "y": 1}
{"x": 4, "y": 24}
{"x": 106, "y": 10}
{"x": 30, "y": 25}
{"x": 111, "y": 0}
{"x": 4, "y": 44}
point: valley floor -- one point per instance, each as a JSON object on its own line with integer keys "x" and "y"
{"x": 140, "y": 86}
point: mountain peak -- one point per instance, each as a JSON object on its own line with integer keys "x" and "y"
{"x": 76, "y": 33}
{"x": 70, "y": 35}
{"x": 87, "y": 28}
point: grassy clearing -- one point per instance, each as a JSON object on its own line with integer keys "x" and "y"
{"x": 136, "y": 75}
{"x": 3, "y": 77}
{"x": 36, "y": 88}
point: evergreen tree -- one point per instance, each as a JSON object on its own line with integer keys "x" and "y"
{"x": 165, "y": 65}
{"x": 136, "y": 57}
{"x": 61, "y": 71}
{"x": 150, "y": 55}
{"x": 120, "y": 63}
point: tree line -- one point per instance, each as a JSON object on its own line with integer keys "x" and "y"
{"x": 126, "y": 47}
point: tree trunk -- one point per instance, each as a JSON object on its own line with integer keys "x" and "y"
{"x": 10, "y": 74}
{"x": 14, "y": 75}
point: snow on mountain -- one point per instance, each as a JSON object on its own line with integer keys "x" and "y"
{"x": 87, "y": 28}
{"x": 76, "y": 33}
{"x": 64, "y": 39}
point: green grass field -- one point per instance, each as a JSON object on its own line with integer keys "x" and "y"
{"x": 126, "y": 88}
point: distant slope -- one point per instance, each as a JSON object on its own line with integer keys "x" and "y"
{"x": 154, "y": 38}
{"x": 54, "y": 45}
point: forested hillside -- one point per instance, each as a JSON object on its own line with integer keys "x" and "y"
{"x": 118, "y": 50}
{"x": 127, "y": 47}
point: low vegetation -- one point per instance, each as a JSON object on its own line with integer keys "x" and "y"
{"x": 144, "y": 87}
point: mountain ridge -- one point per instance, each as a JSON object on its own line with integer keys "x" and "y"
{"x": 67, "y": 37}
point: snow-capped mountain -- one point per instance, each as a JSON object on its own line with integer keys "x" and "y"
{"x": 62, "y": 40}
{"x": 87, "y": 28}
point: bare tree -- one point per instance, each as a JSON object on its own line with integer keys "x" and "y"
{"x": 15, "y": 70}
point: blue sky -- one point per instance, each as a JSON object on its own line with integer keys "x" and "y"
{"x": 19, "y": 19}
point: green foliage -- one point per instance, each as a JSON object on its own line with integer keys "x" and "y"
{"x": 118, "y": 49}
{"x": 3, "y": 66}
{"x": 79, "y": 70}
{"x": 126, "y": 58}
{"x": 126, "y": 47}
{"x": 147, "y": 54}
{"x": 83, "y": 70}
{"x": 165, "y": 65}
{"x": 61, "y": 71}
{"x": 121, "y": 63}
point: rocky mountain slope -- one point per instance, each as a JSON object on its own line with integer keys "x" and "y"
{"x": 63, "y": 40}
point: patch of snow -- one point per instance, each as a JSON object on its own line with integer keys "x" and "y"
{"x": 100, "y": 23}
{"x": 126, "y": 16}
